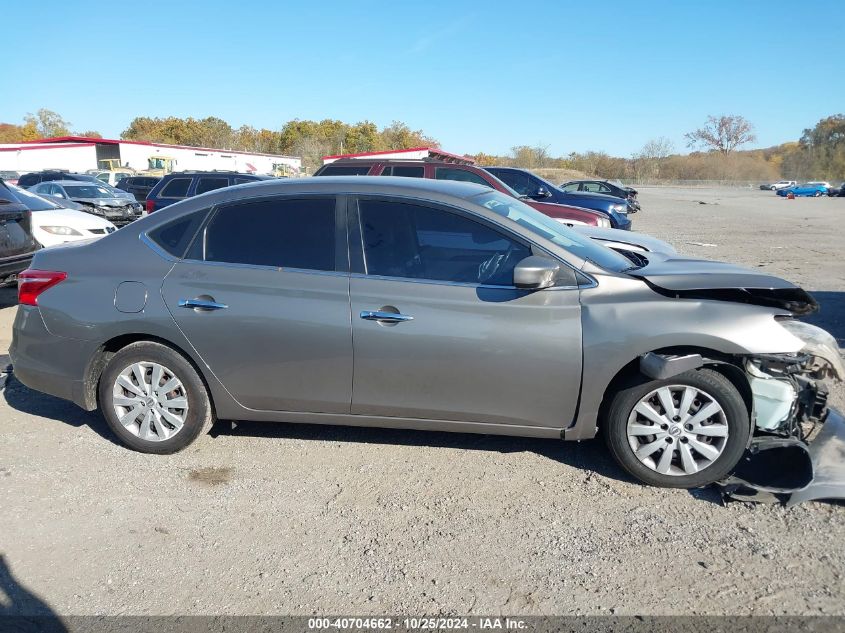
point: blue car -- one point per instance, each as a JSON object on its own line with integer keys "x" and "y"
{"x": 807, "y": 189}
{"x": 536, "y": 188}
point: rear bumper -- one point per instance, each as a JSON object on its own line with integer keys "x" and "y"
{"x": 46, "y": 362}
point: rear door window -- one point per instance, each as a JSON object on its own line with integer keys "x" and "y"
{"x": 210, "y": 184}
{"x": 345, "y": 170}
{"x": 462, "y": 175}
{"x": 282, "y": 233}
{"x": 407, "y": 171}
{"x": 176, "y": 188}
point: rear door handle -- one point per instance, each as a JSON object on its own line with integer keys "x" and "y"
{"x": 202, "y": 304}
{"x": 384, "y": 317}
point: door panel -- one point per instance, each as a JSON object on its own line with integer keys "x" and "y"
{"x": 283, "y": 343}
{"x": 471, "y": 353}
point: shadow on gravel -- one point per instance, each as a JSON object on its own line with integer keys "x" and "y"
{"x": 8, "y": 296}
{"x": 586, "y": 456}
{"x": 23, "y": 399}
{"x": 831, "y": 314}
{"x": 22, "y": 610}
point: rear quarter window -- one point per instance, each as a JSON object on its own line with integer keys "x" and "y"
{"x": 175, "y": 236}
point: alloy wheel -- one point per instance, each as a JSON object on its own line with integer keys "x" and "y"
{"x": 677, "y": 430}
{"x": 150, "y": 401}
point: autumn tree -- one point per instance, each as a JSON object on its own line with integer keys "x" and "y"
{"x": 530, "y": 157}
{"x": 647, "y": 162}
{"x": 47, "y": 123}
{"x": 722, "y": 133}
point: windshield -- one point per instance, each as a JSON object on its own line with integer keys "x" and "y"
{"x": 88, "y": 191}
{"x": 32, "y": 201}
{"x": 552, "y": 230}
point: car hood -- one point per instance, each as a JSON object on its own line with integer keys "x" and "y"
{"x": 612, "y": 237}
{"x": 589, "y": 195}
{"x": 103, "y": 202}
{"x": 706, "y": 279}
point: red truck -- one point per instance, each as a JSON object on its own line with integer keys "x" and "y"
{"x": 443, "y": 170}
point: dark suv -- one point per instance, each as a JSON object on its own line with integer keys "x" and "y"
{"x": 536, "y": 188}
{"x": 139, "y": 186}
{"x": 441, "y": 170}
{"x": 33, "y": 178}
{"x": 186, "y": 184}
{"x": 17, "y": 243}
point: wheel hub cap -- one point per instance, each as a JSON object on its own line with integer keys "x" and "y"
{"x": 150, "y": 401}
{"x": 677, "y": 430}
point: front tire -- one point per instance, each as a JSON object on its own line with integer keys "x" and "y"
{"x": 153, "y": 398}
{"x": 684, "y": 432}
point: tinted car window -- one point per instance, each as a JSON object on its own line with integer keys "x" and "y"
{"x": 175, "y": 236}
{"x": 595, "y": 187}
{"x": 573, "y": 186}
{"x": 518, "y": 181}
{"x": 176, "y": 188}
{"x": 210, "y": 184}
{"x": 241, "y": 180}
{"x": 450, "y": 173}
{"x": 280, "y": 233}
{"x": 345, "y": 170}
{"x": 406, "y": 171}
{"x": 417, "y": 242}
{"x": 28, "y": 180}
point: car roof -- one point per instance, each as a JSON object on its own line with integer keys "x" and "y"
{"x": 396, "y": 185}
{"x": 213, "y": 173}
{"x": 415, "y": 161}
{"x": 75, "y": 183}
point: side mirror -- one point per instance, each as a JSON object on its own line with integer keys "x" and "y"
{"x": 535, "y": 273}
{"x": 542, "y": 192}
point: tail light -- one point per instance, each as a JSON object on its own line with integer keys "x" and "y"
{"x": 32, "y": 283}
{"x": 149, "y": 205}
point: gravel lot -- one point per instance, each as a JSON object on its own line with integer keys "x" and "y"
{"x": 287, "y": 519}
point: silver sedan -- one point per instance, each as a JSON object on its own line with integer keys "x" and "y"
{"x": 418, "y": 304}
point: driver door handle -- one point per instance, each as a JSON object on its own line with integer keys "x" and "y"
{"x": 384, "y": 317}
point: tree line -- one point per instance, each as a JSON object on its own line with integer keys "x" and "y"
{"x": 715, "y": 147}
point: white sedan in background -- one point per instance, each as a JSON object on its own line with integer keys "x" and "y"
{"x": 53, "y": 224}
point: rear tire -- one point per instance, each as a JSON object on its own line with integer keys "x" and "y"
{"x": 691, "y": 450}
{"x": 153, "y": 399}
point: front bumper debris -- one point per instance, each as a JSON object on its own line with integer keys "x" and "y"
{"x": 791, "y": 471}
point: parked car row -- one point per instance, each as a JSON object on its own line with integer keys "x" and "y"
{"x": 807, "y": 189}
{"x": 813, "y": 188}
{"x": 573, "y": 208}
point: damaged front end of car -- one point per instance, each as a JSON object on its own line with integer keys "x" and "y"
{"x": 797, "y": 450}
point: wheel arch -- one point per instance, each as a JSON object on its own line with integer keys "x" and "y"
{"x": 109, "y": 348}
{"x": 726, "y": 364}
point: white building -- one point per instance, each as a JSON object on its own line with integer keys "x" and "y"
{"x": 79, "y": 153}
